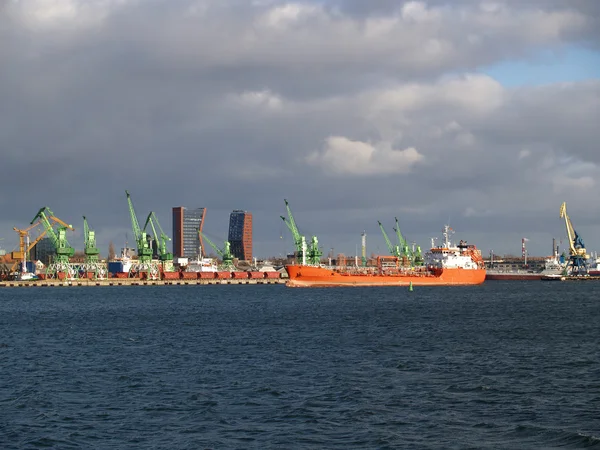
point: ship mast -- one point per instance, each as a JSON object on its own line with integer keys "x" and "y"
{"x": 446, "y": 234}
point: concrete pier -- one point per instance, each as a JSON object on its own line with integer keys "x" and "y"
{"x": 136, "y": 282}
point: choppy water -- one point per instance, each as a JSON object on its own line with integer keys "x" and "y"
{"x": 506, "y": 365}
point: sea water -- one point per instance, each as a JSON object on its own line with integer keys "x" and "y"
{"x": 505, "y": 365}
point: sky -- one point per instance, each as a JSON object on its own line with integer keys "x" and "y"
{"x": 483, "y": 115}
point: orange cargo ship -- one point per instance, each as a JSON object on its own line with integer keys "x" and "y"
{"x": 443, "y": 266}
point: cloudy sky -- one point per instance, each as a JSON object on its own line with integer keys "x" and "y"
{"x": 481, "y": 114}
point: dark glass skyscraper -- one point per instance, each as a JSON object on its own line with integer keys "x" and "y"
{"x": 186, "y": 224}
{"x": 240, "y": 234}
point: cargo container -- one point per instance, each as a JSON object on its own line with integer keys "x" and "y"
{"x": 272, "y": 275}
{"x": 170, "y": 275}
{"x": 207, "y": 275}
{"x": 189, "y": 275}
{"x": 256, "y": 275}
{"x": 115, "y": 266}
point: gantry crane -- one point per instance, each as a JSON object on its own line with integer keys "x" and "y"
{"x": 62, "y": 249}
{"x": 91, "y": 264}
{"x": 225, "y": 253}
{"x": 144, "y": 250}
{"x": 577, "y": 253}
{"x": 161, "y": 239}
{"x": 303, "y": 252}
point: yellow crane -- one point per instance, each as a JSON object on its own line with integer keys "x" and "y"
{"x": 25, "y": 246}
{"x": 578, "y": 256}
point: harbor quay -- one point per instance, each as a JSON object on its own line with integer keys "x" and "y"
{"x": 137, "y": 282}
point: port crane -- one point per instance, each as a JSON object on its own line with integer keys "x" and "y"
{"x": 160, "y": 238}
{"x": 25, "y": 247}
{"x": 413, "y": 254}
{"x": 225, "y": 253}
{"x": 91, "y": 262}
{"x": 164, "y": 255}
{"x": 577, "y": 253}
{"x": 393, "y": 249}
{"x": 144, "y": 250}
{"x": 62, "y": 249}
{"x": 305, "y": 252}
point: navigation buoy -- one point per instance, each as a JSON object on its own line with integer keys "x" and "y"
{"x": 410, "y": 288}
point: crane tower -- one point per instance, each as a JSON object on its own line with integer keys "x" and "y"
{"x": 577, "y": 253}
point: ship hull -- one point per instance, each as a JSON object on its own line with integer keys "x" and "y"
{"x": 312, "y": 276}
{"x": 513, "y": 276}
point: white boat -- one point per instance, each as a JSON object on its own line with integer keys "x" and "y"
{"x": 202, "y": 265}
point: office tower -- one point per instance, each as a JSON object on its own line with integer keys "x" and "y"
{"x": 186, "y": 224}
{"x": 240, "y": 234}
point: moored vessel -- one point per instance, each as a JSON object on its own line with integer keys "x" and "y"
{"x": 552, "y": 268}
{"x": 444, "y": 265}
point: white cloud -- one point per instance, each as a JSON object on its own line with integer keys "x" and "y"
{"x": 52, "y": 15}
{"x": 347, "y": 157}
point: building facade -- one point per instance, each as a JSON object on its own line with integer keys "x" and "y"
{"x": 240, "y": 234}
{"x": 186, "y": 225}
{"x": 43, "y": 251}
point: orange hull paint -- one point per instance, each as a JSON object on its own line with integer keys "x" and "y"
{"x": 311, "y": 276}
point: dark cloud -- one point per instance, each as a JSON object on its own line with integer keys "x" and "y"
{"x": 354, "y": 111}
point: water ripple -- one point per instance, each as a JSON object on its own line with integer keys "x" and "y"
{"x": 500, "y": 366}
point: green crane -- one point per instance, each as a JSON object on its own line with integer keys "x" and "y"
{"x": 225, "y": 253}
{"x": 393, "y": 249}
{"x": 311, "y": 253}
{"x": 62, "y": 248}
{"x": 299, "y": 240}
{"x": 414, "y": 255}
{"x": 314, "y": 252}
{"x": 144, "y": 263}
{"x": 144, "y": 251}
{"x": 90, "y": 250}
{"x": 92, "y": 263}
{"x": 401, "y": 241}
{"x": 161, "y": 239}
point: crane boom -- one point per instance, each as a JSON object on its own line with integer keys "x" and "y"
{"x": 578, "y": 255}
{"x": 313, "y": 253}
{"x": 394, "y": 250}
{"x": 401, "y": 240}
{"x": 59, "y": 237}
{"x": 569, "y": 227}
{"x": 161, "y": 238}
{"x": 224, "y": 253}
{"x": 292, "y": 222}
{"x": 143, "y": 249}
